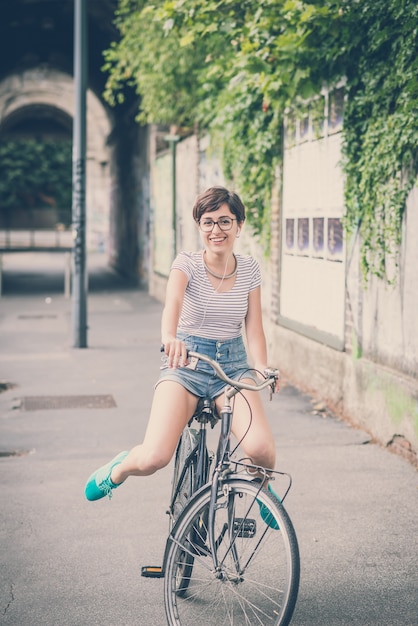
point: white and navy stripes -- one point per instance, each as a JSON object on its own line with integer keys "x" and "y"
{"x": 208, "y": 313}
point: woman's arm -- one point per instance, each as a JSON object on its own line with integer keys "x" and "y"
{"x": 256, "y": 340}
{"x": 175, "y": 350}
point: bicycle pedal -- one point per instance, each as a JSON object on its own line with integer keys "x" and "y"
{"x": 244, "y": 527}
{"x": 152, "y": 571}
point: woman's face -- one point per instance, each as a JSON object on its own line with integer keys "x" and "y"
{"x": 218, "y": 229}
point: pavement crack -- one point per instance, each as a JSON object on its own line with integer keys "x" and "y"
{"x": 11, "y": 599}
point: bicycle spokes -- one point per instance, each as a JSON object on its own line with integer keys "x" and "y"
{"x": 248, "y": 575}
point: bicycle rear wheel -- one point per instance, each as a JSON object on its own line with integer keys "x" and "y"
{"x": 257, "y": 578}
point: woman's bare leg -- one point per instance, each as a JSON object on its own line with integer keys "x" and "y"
{"x": 252, "y": 429}
{"x": 172, "y": 407}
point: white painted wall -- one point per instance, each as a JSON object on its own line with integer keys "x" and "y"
{"x": 312, "y": 275}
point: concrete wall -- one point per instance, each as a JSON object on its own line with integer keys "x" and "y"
{"x": 117, "y": 164}
{"x": 372, "y": 381}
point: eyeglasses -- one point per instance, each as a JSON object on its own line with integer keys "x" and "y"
{"x": 224, "y": 223}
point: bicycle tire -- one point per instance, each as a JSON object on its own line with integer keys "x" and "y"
{"x": 257, "y": 579}
{"x": 192, "y": 475}
{"x": 181, "y": 493}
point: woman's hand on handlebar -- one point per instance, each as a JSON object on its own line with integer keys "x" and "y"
{"x": 176, "y": 352}
{"x": 269, "y": 371}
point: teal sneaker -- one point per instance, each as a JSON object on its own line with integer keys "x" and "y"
{"x": 265, "y": 513}
{"x": 99, "y": 484}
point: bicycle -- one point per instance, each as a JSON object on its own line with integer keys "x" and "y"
{"x": 232, "y": 555}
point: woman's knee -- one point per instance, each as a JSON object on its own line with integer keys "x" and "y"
{"x": 261, "y": 451}
{"x": 149, "y": 461}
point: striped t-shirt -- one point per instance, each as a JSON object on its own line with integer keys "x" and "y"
{"x": 207, "y": 313}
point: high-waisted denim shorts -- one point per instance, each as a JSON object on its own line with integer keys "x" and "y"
{"x": 202, "y": 381}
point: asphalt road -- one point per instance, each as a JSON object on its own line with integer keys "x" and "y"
{"x": 68, "y": 562}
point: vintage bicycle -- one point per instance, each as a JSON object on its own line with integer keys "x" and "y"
{"x": 232, "y": 555}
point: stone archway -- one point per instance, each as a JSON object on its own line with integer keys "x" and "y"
{"x": 45, "y": 93}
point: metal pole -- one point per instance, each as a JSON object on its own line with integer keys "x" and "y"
{"x": 174, "y": 192}
{"x": 79, "y": 295}
{"x": 173, "y": 140}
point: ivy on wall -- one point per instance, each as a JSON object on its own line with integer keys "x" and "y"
{"x": 381, "y": 130}
{"x": 234, "y": 68}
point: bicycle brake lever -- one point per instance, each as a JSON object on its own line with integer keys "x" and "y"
{"x": 271, "y": 372}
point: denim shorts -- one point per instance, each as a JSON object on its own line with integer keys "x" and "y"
{"x": 202, "y": 381}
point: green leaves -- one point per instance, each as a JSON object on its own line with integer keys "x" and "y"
{"x": 232, "y": 66}
{"x": 235, "y": 67}
{"x": 31, "y": 171}
{"x": 380, "y": 131}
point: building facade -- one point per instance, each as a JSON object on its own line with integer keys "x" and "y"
{"x": 351, "y": 344}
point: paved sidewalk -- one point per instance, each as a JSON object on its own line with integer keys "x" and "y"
{"x": 68, "y": 562}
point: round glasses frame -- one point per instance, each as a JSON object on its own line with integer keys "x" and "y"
{"x": 210, "y": 224}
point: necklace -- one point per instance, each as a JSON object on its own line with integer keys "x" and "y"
{"x": 221, "y": 276}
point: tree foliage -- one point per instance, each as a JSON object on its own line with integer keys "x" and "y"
{"x": 35, "y": 174}
{"x": 235, "y": 67}
{"x": 231, "y": 66}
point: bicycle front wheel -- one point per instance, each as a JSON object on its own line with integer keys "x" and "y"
{"x": 256, "y": 578}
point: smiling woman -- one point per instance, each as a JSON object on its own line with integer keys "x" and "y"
{"x": 219, "y": 215}
{"x": 212, "y": 295}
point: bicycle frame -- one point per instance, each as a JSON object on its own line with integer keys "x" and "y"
{"x": 222, "y": 460}
{"x": 233, "y": 550}
{"x": 222, "y": 463}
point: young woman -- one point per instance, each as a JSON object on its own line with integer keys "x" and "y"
{"x": 211, "y": 295}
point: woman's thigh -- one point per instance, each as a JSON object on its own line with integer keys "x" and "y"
{"x": 251, "y": 428}
{"x": 171, "y": 409}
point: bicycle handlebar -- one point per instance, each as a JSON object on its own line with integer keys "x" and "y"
{"x": 272, "y": 375}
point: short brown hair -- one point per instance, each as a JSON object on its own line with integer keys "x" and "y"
{"x": 214, "y": 197}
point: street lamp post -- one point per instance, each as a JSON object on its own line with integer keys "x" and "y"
{"x": 79, "y": 288}
{"x": 173, "y": 140}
